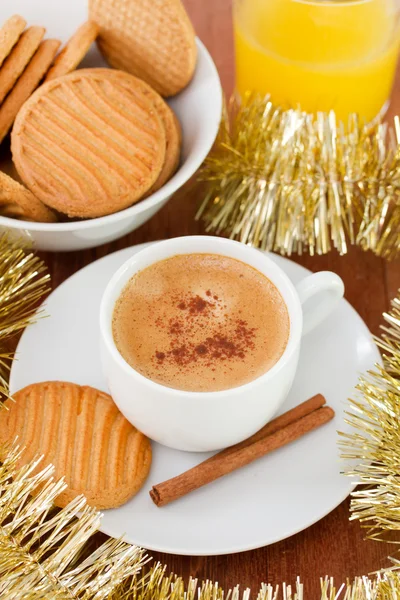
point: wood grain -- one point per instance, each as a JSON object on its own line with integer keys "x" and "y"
{"x": 333, "y": 546}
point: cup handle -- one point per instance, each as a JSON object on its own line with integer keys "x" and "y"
{"x": 330, "y": 286}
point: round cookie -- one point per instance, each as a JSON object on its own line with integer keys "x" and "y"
{"x": 81, "y": 432}
{"x": 19, "y": 58}
{"x": 172, "y": 132}
{"x": 74, "y": 51}
{"x": 171, "y": 123}
{"x": 26, "y": 84}
{"x": 88, "y": 145}
{"x": 152, "y": 39}
{"x": 9, "y": 35}
{"x": 173, "y": 152}
{"x": 18, "y": 202}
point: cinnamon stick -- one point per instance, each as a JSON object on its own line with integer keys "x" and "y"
{"x": 236, "y": 457}
{"x": 290, "y": 416}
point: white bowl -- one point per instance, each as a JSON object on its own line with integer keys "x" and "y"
{"x": 198, "y": 108}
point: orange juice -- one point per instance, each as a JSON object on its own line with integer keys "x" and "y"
{"x": 318, "y": 54}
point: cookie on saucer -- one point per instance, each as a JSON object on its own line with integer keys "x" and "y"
{"x": 81, "y": 432}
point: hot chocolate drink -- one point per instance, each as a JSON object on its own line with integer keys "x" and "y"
{"x": 200, "y": 322}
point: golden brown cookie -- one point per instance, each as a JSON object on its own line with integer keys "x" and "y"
{"x": 74, "y": 51}
{"x": 153, "y": 39}
{"x": 172, "y": 133}
{"x": 9, "y": 35}
{"x": 173, "y": 151}
{"x": 18, "y": 58}
{"x": 170, "y": 121}
{"x": 87, "y": 144}
{"x": 81, "y": 432}
{"x": 26, "y": 84}
{"x": 18, "y": 202}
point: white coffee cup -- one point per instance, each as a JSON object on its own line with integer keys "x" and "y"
{"x": 202, "y": 421}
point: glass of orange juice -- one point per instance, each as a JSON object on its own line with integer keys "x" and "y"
{"x": 318, "y": 54}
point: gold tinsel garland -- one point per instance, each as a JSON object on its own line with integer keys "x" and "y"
{"x": 46, "y": 552}
{"x": 284, "y": 181}
{"x": 42, "y": 555}
{"x": 374, "y": 445}
{"x": 41, "y": 549}
{"x": 23, "y": 282}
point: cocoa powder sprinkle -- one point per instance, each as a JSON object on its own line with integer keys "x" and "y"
{"x": 232, "y": 341}
{"x": 201, "y": 349}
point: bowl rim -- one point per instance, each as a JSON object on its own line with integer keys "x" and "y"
{"x": 174, "y": 184}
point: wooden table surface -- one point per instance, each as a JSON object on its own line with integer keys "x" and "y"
{"x": 334, "y": 546}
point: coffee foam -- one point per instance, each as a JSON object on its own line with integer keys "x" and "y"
{"x": 201, "y": 322}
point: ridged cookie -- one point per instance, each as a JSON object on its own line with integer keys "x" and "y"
{"x": 9, "y": 35}
{"x": 18, "y": 202}
{"x": 172, "y": 133}
{"x": 87, "y": 144}
{"x": 19, "y": 58}
{"x": 170, "y": 121}
{"x": 81, "y": 432}
{"x": 26, "y": 84}
{"x": 173, "y": 149}
{"x": 74, "y": 51}
{"x": 152, "y": 39}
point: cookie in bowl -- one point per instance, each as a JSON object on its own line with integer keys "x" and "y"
{"x": 89, "y": 144}
{"x": 97, "y": 203}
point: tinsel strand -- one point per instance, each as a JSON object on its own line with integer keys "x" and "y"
{"x": 40, "y": 550}
{"x": 284, "y": 181}
{"x": 374, "y": 444}
{"x": 23, "y": 283}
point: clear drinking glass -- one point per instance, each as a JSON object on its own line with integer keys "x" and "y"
{"x": 318, "y": 54}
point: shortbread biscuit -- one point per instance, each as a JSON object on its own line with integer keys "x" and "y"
{"x": 26, "y": 84}
{"x": 172, "y": 133}
{"x": 9, "y": 35}
{"x": 153, "y": 39}
{"x": 74, "y": 51}
{"x": 172, "y": 153}
{"x": 81, "y": 432}
{"x": 19, "y": 58}
{"x": 12, "y": 211}
{"x": 87, "y": 144}
{"x": 18, "y": 202}
{"x": 171, "y": 123}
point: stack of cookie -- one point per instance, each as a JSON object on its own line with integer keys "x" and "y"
{"x": 92, "y": 142}
{"x": 26, "y": 59}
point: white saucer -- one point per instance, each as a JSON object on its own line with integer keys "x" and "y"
{"x": 263, "y": 503}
